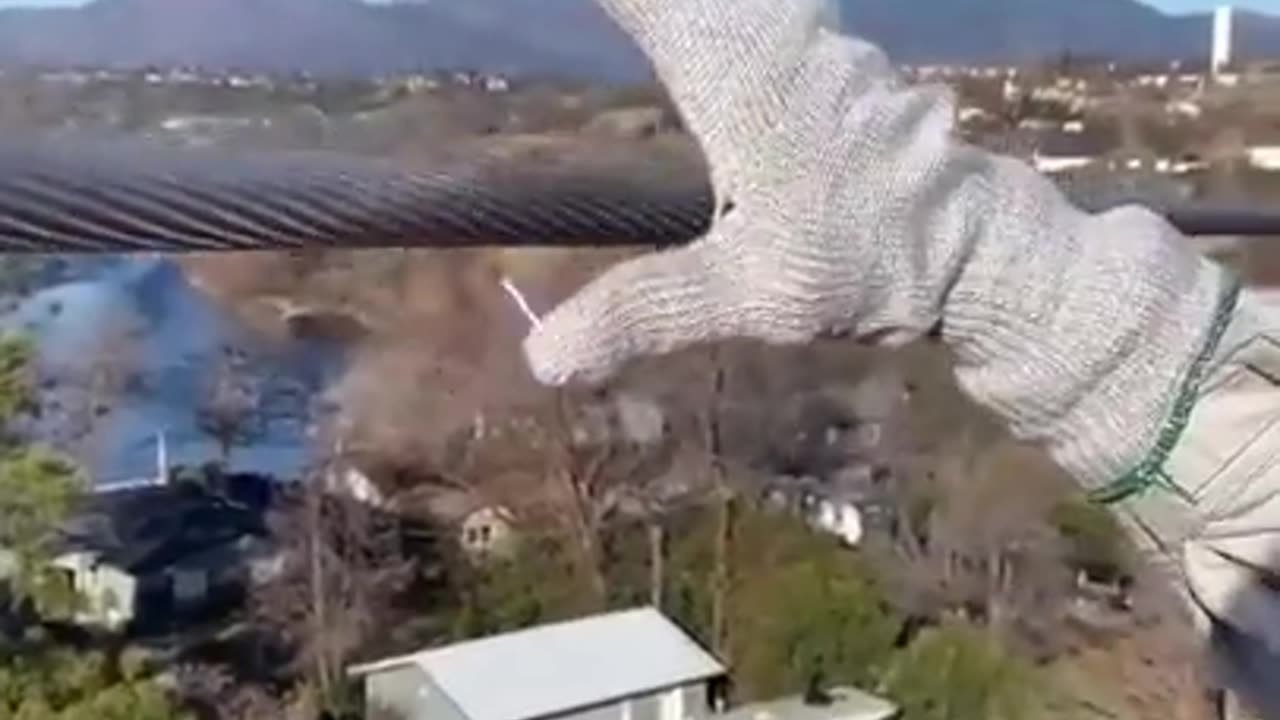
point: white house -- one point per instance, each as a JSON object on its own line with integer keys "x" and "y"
{"x": 484, "y": 529}
{"x": 1185, "y": 108}
{"x": 496, "y": 84}
{"x": 1058, "y": 151}
{"x": 972, "y": 113}
{"x": 1012, "y": 91}
{"x": 631, "y": 664}
{"x": 1061, "y": 163}
{"x": 353, "y": 482}
{"x": 147, "y": 554}
{"x": 105, "y": 593}
{"x": 628, "y": 665}
{"x": 839, "y": 518}
{"x": 1264, "y": 157}
{"x": 487, "y": 531}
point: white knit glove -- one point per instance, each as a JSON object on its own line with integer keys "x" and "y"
{"x": 854, "y": 209}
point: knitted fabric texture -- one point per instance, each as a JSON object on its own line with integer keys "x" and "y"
{"x": 854, "y": 209}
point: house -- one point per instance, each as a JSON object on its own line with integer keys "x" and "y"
{"x": 153, "y": 555}
{"x": 496, "y": 84}
{"x": 487, "y": 531}
{"x": 838, "y": 517}
{"x": 1258, "y": 144}
{"x": 628, "y": 665}
{"x": 826, "y": 507}
{"x": 148, "y": 556}
{"x": 1011, "y": 91}
{"x": 1185, "y": 108}
{"x": 973, "y": 113}
{"x": 484, "y": 529}
{"x": 349, "y": 478}
{"x": 1037, "y": 124}
{"x": 1152, "y": 80}
{"x": 631, "y": 664}
{"x": 1058, "y": 151}
{"x": 1187, "y": 163}
{"x": 1264, "y": 157}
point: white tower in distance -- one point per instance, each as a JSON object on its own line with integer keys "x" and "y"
{"x": 1223, "y": 31}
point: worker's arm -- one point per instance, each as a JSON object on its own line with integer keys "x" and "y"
{"x": 1214, "y": 506}
{"x": 1103, "y": 337}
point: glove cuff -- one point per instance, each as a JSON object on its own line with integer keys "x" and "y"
{"x": 1085, "y": 332}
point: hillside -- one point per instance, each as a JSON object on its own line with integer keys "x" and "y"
{"x": 562, "y": 36}
{"x": 328, "y": 37}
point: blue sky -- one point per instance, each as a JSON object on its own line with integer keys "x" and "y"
{"x": 1272, "y": 6}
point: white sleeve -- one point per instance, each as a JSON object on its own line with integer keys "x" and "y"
{"x": 1219, "y": 514}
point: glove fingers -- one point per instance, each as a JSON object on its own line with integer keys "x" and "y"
{"x": 652, "y": 305}
{"x": 728, "y": 63}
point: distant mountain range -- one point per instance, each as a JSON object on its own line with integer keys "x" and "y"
{"x": 322, "y": 36}
{"x": 564, "y": 36}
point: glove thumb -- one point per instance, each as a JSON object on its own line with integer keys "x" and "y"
{"x": 655, "y": 304}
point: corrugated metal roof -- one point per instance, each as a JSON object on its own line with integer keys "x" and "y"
{"x": 561, "y": 667}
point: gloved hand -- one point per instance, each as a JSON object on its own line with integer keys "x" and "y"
{"x": 854, "y": 209}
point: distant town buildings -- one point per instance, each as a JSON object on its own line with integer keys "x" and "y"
{"x": 1175, "y": 113}
{"x": 1264, "y": 157}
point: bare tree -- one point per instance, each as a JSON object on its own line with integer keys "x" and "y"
{"x": 563, "y": 466}
{"x": 343, "y": 567}
{"x": 216, "y": 694}
{"x": 971, "y": 535}
{"x": 724, "y": 495}
{"x": 233, "y": 406}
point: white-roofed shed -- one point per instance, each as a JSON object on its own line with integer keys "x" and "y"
{"x": 629, "y": 665}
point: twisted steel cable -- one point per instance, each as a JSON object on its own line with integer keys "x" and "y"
{"x": 113, "y": 197}
{"x": 1097, "y": 191}
{"x": 92, "y": 197}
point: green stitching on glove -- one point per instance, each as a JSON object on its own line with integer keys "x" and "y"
{"x": 1150, "y": 473}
